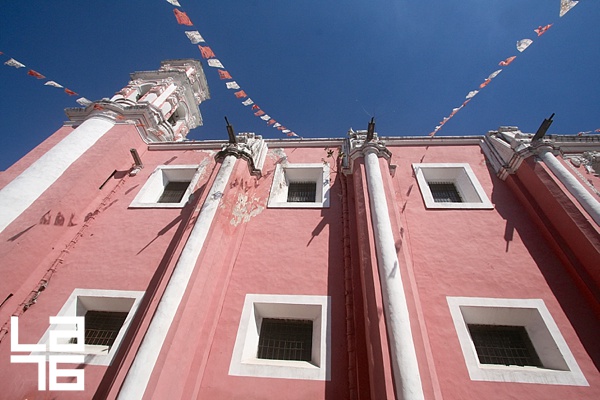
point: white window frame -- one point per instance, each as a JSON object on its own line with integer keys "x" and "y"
{"x": 82, "y": 300}
{"x": 560, "y": 367}
{"x": 308, "y": 172}
{"x": 154, "y": 187}
{"x": 461, "y": 175}
{"x": 244, "y": 361}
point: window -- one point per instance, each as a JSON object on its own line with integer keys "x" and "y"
{"x": 299, "y": 192}
{"x": 169, "y": 186}
{"x": 450, "y": 185}
{"x": 513, "y": 340}
{"x": 102, "y": 327}
{"x": 503, "y": 345}
{"x": 444, "y": 192}
{"x": 285, "y": 339}
{"x": 283, "y": 336}
{"x": 173, "y": 192}
{"x": 107, "y": 313}
{"x": 300, "y": 186}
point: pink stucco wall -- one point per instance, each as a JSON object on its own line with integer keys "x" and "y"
{"x": 250, "y": 248}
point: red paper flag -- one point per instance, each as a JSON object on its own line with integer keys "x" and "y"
{"x": 182, "y": 18}
{"x": 281, "y": 128}
{"x": 507, "y": 61}
{"x": 485, "y": 83}
{"x": 70, "y": 92}
{"x": 271, "y": 122}
{"x": 255, "y": 107}
{"x": 206, "y": 52}
{"x": 240, "y": 94}
{"x": 224, "y": 74}
{"x": 35, "y": 74}
{"x": 259, "y": 113}
{"x": 542, "y": 29}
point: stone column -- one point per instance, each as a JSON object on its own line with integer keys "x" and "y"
{"x": 404, "y": 358}
{"x": 252, "y": 149}
{"x": 572, "y": 184}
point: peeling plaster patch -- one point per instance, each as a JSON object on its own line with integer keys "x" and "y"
{"x": 210, "y": 153}
{"x": 245, "y": 209}
{"x": 279, "y": 156}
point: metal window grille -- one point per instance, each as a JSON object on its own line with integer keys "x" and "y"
{"x": 173, "y": 192}
{"x": 302, "y": 192}
{"x": 504, "y": 345}
{"x": 102, "y": 327}
{"x": 444, "y": 192}
{"x": 285, "y": 339}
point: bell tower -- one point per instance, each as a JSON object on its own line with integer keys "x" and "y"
{"x": 163, "y": 104}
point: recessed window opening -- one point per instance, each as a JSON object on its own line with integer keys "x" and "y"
{"x": 285, "y": 339}
{"x": 102, "y": 327}
{"x": 504, "y": 345}
{"x": 445, "y": 192}
{"x": 450, "y": 186}
{"x": 302, "y": 192}
{"x": 174, "y": 192}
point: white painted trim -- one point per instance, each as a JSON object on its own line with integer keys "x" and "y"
{"x": 309, "y": 172}
{"x": 404, "y": 358}
{"x": 561, "y": 368}
{"x": 583, "y": 196}
{"x": 258, "y": 306}
{"x": 461, "y": 175}
{"x": 25, "y": 189}
{"x": 149, "y": 194}
{"x": 139, "y": 374}
{"x": 82, "y": 300}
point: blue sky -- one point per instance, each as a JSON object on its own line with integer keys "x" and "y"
{"x": 317, "y": 67}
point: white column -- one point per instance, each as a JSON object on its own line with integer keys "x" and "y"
{"x": 139, "y": 374}
{"x": 404, "y": 357}
{"x": 585, "y": 198}
{"x": 22, "y": 191}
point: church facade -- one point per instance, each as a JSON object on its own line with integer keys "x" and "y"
{"x": 363, "y": 267}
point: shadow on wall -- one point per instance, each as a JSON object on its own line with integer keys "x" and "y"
{"x": 573, "y": 303}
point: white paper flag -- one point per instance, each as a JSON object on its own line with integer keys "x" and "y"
{"x": 194, "y": 37}
{"x": 54, "y": 84}
{"x": 232, "y": 85}
{"x": 523, "y": 44}
{"x": 213, "y": 62}
{"x": 494, "y": 74}
{"x": 14, "y": 63}
{"x": 174, "y": 2}
{"x": 83, "y": 101}
{"x": 247, "y": 102}
{"x": 265, "y": 117}
{"x": 472, "y": 94}
{"x": 276, "y": 124}
{"x": 566, "y": 5}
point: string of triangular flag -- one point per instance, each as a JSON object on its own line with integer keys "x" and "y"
{"x": 211, "y": 59}
{"x": 522, "y": 45}
{"x": 11, "y": 62}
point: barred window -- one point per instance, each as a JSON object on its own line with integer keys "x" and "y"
{"x": 444, "y": 192}
{"x": 285, "y": 339}
{"x": 102, "y": 327}
{"x": 174, "y": 192}
{"x": 302, "y": 192}
{"x": 504, "y": 345}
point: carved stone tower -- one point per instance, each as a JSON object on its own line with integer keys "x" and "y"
{"x": 163, "y": 103}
